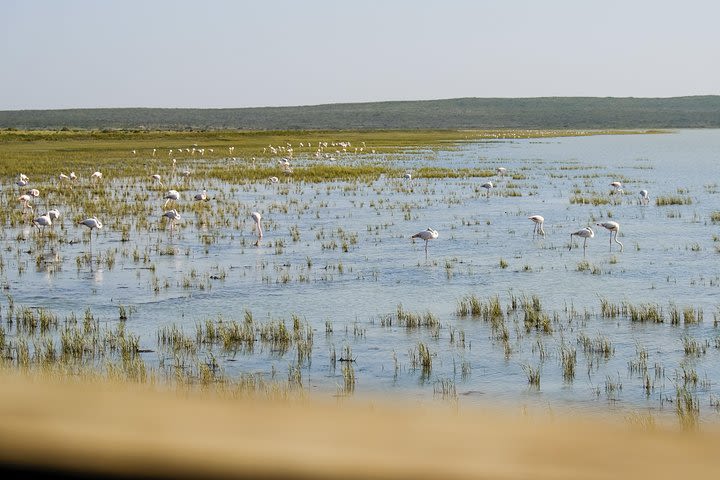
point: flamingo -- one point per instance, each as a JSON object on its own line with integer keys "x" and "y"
{"x": 488, "y": 186}
{"x": 585, "y": 233}
{"x": 42, "y": 221}
{"x": 617, "y": 186}
{"x": 501, "y": 171}
{"x": 407, "y": 176}
{"x": 173, "y": 216}
{"x": 201, "y": 196}
{"x": 256, "y": 218}
{"x": 25, "y": 200}
{"x": 273, "y": 179}
{"x": 54, "y": 214}
{"x": 171, "y": 195}
{"x": 156, "y": 178}
{"x": 63, "y": 177}
{"x": 73, "y": 177}
{"x": 33, "y": 192}
{"x": 96, "y": 176}
{"x": 91, "y": 223}
{"x": 426, "y": 235}
{"x": 21, "y": 183}
{"x": 614, "y": 228}
{"x": 539, "y": 220}
{"x": 644, "y": 198}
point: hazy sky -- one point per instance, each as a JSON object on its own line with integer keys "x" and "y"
{"x": 214, "y": 53}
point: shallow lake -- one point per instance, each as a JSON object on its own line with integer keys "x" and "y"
{"x": 339, "y": 256}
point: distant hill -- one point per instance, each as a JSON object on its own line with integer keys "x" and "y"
{"x": 541, "y": 112}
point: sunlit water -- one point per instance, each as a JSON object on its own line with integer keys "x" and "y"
{"x": 670, "y": 257}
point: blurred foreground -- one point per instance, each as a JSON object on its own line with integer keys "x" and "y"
{"x": 87, "y": 430}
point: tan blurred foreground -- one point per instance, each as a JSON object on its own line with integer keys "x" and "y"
{"x": 135, "y": 432}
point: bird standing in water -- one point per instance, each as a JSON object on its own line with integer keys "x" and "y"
{"x": 614, "y": 229}
{"x": 426, "y": 235}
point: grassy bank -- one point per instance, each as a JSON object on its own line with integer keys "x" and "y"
{"x": 231, "y": 155}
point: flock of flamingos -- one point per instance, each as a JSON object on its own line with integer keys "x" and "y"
{"x": 47, "y": 218}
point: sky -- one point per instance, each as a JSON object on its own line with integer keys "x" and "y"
{"x": 230, "y": 54}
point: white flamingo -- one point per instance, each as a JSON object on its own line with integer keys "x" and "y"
{"x": 585, "y": 233}
{"x": 617, "y": 186}
{"x": 614, "y": 229}
{"x": 156, "y": 178}
{"x": 173, "y": 216}
{"x": 42, "y": 221}
{"x": 644, "y": 197}
{"x": 171, "y": 196}
{"x": 93, "y": 224}
{"x": 201, "y": 197}
{"x": 488, "y": 186}
{"x": 426, "y": 235}
{"x": 258, "y": 226}
{"x": 538, "y": 220}
{"x": 501, "y": 171}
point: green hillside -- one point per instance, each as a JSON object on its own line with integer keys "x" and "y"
{"x": 542, "y": 112}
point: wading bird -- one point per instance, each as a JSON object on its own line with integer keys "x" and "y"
{"x": 538, "y": 220}
{"x": 33, "y": 192}
{"x": 54, "y": 214}
{"x": 92, "y": 223}
{"x": 614, "y": 229}
{"x": 488, "y": 186}
{"x": 617, "y": 186}
{"x": 501, "y": 171}
{"x": 96, "y": 176}
{"x": 24, "y": 199}
{"x": 42, "y": 221}
{"x": 407, "y": 176}
{"x": 258, "y": 226}
{"x": 171, "y": 196}
{"x": 201, "y": 197}
{"x": 173, "y": 216}
{"x": 426, "y": 235}
{"x": 156, "y": 178}
{"x": 273, "y": 179}
{"x": 644, "y": 197}
{"x": 585, "y": 233}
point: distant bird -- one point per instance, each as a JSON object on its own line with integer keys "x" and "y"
{"x": 73, "y": 177}
{"x": 156, "y": 178}
{"x": 63, "y": 177}
{"x": 201, "y": 197}
{"x": 407, "y": 176}
{"x": 33, "y": 192}
{"x": 173, "y": 216}
{"x": 273, "y": 179}
{"x": 488, "y": 186}
{"x": 54, "y": 214}
{"x": 42, "y": 221}
{"x": 92, "y": 223}
{"x": 538, "y": 220}
{"x": 258, "y": 226}
{"x": 644, "y": 197}
{"x": 25, "y": 199}
{"x": 96, "y": 176}
{"x": 21, "y": 182}
{"x": 171, "y": 196}
{"x": 617, "y": 186}
{"x": 24, "y": 177}
{"x": 501, "y": 171}
{"x": 614, "y": 229}
{"x": 426, "y": 235}
{"x": 585, "y": 233}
